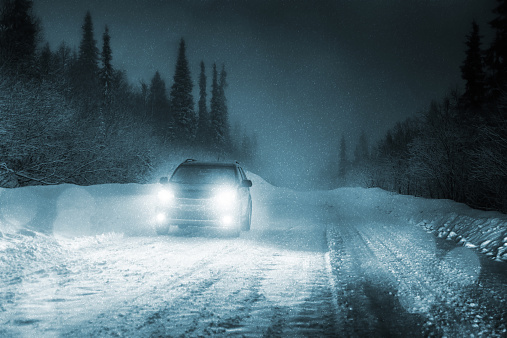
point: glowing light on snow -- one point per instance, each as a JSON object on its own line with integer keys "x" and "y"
{"x": 18, "y": 206}
{"x": 414, "y": 297}
{"x": 461, "y": 267}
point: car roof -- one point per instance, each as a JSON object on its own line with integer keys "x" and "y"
{"x": 208, "y": 164}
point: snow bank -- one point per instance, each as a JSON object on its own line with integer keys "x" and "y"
{"x": 70, "y": 210}
{"x": 484, "y": 230}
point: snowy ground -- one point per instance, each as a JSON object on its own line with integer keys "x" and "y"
{"x": 80, "y": 261}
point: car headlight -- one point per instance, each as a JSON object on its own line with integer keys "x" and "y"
{"x": 161, "y": 218}
{"x": 225, "y": 198}
{"x": 165, "y": 196}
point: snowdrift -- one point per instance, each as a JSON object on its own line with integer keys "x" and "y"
{"x": 484, "y": 230}
{"x": 71, "y": 210}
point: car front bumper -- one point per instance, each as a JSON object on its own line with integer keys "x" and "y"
{"x": 198, "y": 213}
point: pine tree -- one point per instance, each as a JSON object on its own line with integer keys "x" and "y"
{"x": 107, "y": 72}
{"x": 46, "y": 62}
{"x": 215, "y": 118}
{"x": 63, "y": 63}
{"x": 159, "y": 104}
{"x": 19, "y": 34}
{"x": 361, "y": 153}
{"x": 223, "y": 107}
{"x": 215, "y": 107}
{"x": 497, "y": 53}
{"x": 219, "y": 114}
{"x": 249, "y": 148}
{"x": 472, "y": 70}
{"x": 144, "y": 100}
{"x": 203, "y": 123}
{"x": 181, "y": 99}
{"x": 86, "y": 70}
{"x": 106, "y": 76}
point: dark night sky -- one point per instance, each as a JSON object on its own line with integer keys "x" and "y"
{"x": 301, "y": 73}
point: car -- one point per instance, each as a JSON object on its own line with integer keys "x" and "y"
{"x": 205, "y": 194}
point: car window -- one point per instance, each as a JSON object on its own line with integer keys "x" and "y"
{"x": 204, "y": 175}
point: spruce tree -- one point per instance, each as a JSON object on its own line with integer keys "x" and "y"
{"x": 215, "y": 113}
{"x": 219, "y": 114}
{"x": 497, "y": 53}
{"x": 86, "y": 70}
{"x": 223, "y": 107}
{"x": 63, "y": 63}
{"x": 19, "y": 34}
{"x": 361, "y": 153}
{"x": 46, "y": 62}
{"x": 181, "y": 99}
{"x": 159, "y": 104}
{"x": 203, "y": 123}
{"x": 472, "y": 70}
{"x": 107, "y": 72}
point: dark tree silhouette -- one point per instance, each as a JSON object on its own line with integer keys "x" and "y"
{"x": 46, "y": 62}
{"x": 19, "y": 35}
{"x": 181, "y": 99}
{"x": 497, "y": 53}
{"x": 86, "y": 70}
{"x": 219, "y": 116}
{"x": 159, "y": 104}
{"x": 223, "y": 106}
{"x": 203, "y": 126}
{"x": 472, "y": 70}
{"x": 64, "y": 62}
{"x": 106, "y": 76}
{"x": 362, "y": 153}
{"x": 107, "y": 71}
{"x": 215, "y": 108}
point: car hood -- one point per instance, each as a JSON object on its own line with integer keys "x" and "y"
{"x": 196, "y": 191}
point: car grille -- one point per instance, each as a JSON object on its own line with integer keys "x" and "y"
{"x": 193, "y": 194}
{"x": 193, "y": 209}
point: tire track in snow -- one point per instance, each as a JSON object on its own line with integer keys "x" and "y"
{"x": 333, "y": 288}
{"x": 139, "y": 306}
{"x": 366, "y": 289}
{"x": 448, "y": 304}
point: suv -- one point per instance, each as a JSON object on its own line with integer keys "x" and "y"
{"x": 205, "y": 194}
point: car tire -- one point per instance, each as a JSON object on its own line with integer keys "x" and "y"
{"x": 247, "y": 221}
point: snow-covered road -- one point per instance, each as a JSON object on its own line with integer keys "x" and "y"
{"x": 337, "y": 263}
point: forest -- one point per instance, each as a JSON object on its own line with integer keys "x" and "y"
{"x": 457, "y": 148}
{"x": 69, "y": 116}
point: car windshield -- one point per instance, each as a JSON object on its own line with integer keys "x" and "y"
{"x": 204, "y": 175}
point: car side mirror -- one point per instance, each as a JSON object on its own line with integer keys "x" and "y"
{"x": 164, "y": 180}
{"x": 246, "y": 183}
